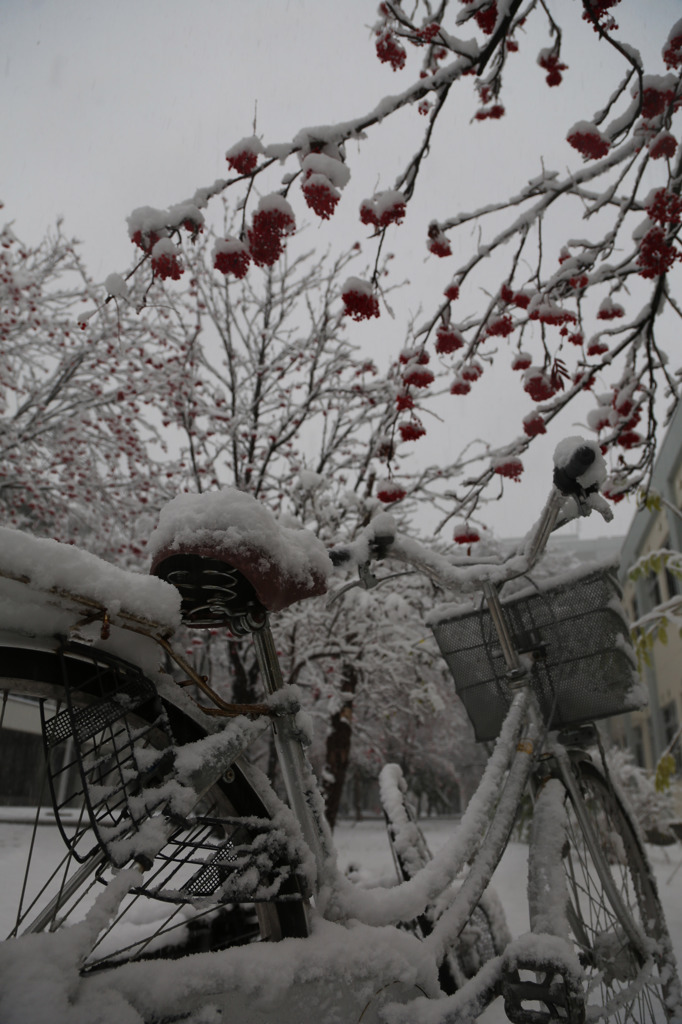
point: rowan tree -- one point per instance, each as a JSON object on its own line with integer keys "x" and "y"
{"x": 577, "y": 312}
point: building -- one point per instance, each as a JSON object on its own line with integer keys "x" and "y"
{"x": 648, "y": 732}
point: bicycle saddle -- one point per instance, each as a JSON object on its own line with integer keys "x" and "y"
{"x": 229, "y": 556}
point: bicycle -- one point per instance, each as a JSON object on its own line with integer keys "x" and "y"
{"x": 159, "y": 808}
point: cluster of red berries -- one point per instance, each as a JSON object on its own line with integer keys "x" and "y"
{"x": 145, "y": 240}
{"x": 389, "y": 50}
{"x": 598, "y": 10}
{"x": 231, "y": 256}
{"x": 472, "y": 371}
{"x": 243, "y": 156}
{"x": 534, "y": 424}
{"x": 412, "y": 430}
{"x": 465, "y": 534}
{"x": 448, "y": 340}
{"x": 610, "y": 310}
{"x": 165, "y": 261}
{"x": 512, "y": 468}
{"x": 553, "y": 315}
{"x": 521, "y": 361}
{"x": 664, "y": 207}
{"x": 538, "y": 384}
{"x": 664, "y": 145}
{"x": 490, "y": 113}
{"x": 500, "y": 328}
{"x": 389, "y": 491}
{"x": 403, "y": 402}
{"x": 588, "y": 140}
{"x": 460, "y": 387}
{"x": 520, "y": 299}
{"x": 438, "y": 242}
{"x": 656, "y": 254}
{"x": 655, "y": 101}
{"x": 360, "y": 301}
{"x": 597, "y": 346}
{"x": 320, "y": 195}
{"x": 553, "y": 66}
{"x": 672, "y": 51}
{"x": 271, "y": 223}
{"x": 418, "y": 377}
{"x": 383, "y": 209}
{"x": 486, "y": 18}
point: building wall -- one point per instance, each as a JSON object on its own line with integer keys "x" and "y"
{"x": 647, "y": 733}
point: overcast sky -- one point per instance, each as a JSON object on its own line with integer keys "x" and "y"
{"x": 105, "y": 107}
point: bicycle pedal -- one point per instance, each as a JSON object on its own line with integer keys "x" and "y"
{"x": 539, "y": 992}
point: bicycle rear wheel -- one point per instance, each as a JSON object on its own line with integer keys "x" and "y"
{"x": 90, "y": 716}
{"x": 626, "y": 981}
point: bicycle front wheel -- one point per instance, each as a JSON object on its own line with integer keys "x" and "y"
{"x": 614, "y": 911}
{"x": 92, "y": 744}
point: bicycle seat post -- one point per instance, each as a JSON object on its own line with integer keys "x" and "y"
{"x": 299, "y": 785}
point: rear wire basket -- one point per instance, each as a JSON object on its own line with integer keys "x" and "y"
{"x": 583, "y": 667}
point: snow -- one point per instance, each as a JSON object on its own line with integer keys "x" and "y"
{"x": 43, "y": 565}
{"x": 329, "y": 969}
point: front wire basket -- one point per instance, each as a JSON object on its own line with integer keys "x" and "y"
{"x": 576, "y": 637}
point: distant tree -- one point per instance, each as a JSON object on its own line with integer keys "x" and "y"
{"x": 76, "y": 435}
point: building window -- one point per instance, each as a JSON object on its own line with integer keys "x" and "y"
{"x": 638, "y": 745}
{"x": 648, "y": 594}
{"x": 670, "y": 728}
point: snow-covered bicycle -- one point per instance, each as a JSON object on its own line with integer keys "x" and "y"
{"x": 174, "y": 844}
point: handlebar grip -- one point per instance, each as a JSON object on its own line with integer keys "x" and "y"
{"x": 338, "y": 556}
{"x": 566, "y": 476}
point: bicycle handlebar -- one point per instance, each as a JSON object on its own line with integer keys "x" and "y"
{"x": 578, "y": 472}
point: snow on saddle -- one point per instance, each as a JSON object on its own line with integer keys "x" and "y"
{"x": 229, "y": 557}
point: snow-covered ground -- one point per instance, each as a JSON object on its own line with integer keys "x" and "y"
{"x": 364, "y": 852}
